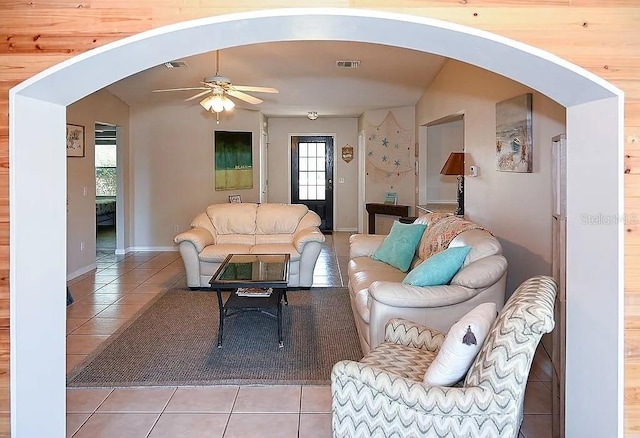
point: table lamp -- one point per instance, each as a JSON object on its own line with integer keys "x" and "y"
{"x": 455, "y": 166}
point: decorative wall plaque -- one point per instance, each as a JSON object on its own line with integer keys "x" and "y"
{"x": 347, "y": 153}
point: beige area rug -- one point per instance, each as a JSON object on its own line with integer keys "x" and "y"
{"x": 173, "y": 341}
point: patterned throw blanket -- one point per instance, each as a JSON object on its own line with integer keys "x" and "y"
{"x": 441, "y": 229}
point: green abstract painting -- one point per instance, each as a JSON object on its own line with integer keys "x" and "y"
{"x": 233, "y": 160}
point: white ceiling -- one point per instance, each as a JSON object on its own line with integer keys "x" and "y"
{"x": 304, "y": 72}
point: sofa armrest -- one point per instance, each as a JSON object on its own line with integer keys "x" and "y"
{"x": 302, "y": 237}
{"x": 396, "y": 294}
{"x": 198, "y": 236}
{"x": 364, "y": 245}
{"x": 403, "y": 332}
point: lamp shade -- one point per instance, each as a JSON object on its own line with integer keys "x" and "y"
{"x": 454, "y": 164}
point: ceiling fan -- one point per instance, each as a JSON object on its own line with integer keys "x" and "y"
{"x": 217, "y": 89}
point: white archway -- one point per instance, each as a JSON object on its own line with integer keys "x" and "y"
{"x": 38, "y": 183}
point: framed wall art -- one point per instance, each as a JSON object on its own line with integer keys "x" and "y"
{"x": 514, "y": 143}
{"x": 233, "y": 156}
{"x": 75, "y": 140}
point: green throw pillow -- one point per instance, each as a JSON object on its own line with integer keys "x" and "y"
{"x": 438, "y": 269}
{"x": 399, "y": 247}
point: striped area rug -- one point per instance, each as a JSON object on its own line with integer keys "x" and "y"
{"x": 174, "y": 342}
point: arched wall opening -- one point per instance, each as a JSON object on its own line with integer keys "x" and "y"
{"x": 594, "y": 135}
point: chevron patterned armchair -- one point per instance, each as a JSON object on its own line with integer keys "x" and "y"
{"x": 383, "y": 395}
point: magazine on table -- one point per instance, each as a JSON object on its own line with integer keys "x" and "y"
{"x": 253, "y": 292}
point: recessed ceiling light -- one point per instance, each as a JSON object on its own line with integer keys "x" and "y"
{"x": 175, "y": 64}
{"x": 348, "y": 64}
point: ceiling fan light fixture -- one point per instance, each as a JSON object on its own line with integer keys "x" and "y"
{"x": 217, "y": 104}
{"x": 227, "y": 103}
{"x": 206, "y": 102}
{"x": 312, "y": 115}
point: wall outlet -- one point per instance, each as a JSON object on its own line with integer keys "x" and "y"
{"x": 82, "y": 245}
{"x": 175, "y": 228}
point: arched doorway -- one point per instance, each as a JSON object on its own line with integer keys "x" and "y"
{"x": 594, "y": 133}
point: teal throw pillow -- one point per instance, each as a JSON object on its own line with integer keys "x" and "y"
{"x": 438, "y": 269}
{"x": 399, "y": 247}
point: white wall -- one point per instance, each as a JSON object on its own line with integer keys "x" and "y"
{"x": 442, "y": 139}
{"x": 516, "y": 207}
{"x": 103, "y": 107}
{"x": 405, "y": 187}
{"x": 346, "y": 132}
{"x": 173, "y": 168}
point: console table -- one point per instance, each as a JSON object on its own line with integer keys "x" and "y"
{"x": 388, "y": 209}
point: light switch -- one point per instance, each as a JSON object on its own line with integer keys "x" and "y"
{"x": 84, "y": 191}
{"x": 341, "y": 180}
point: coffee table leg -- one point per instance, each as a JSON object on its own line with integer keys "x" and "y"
{"x": 281, "y": 344}
{"x": 221, "y": 324}
{"x": 286, "y": 302}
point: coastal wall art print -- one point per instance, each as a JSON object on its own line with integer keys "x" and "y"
{"x": 233, "y": 156}
{"x": 514, "y": 143}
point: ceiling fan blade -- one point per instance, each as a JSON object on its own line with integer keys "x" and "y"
{"x": 242, "y": 96}
{"x": 180, "y": 89}
{"x": 255, "y": 89}
{"x": 198, "y": 95}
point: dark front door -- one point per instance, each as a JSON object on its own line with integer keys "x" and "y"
{"x": 312, "y": 176}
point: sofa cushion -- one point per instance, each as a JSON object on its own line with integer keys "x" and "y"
{"x": 279, "y": 218}
{"x": 438, "y": 269}
{"x": 461, "y": 346}
{"x": 402, "y": 360}
{"x": 217, "y": 253}
{"x": 364, "y": 270}
{"x": 277, "y": 248}
{"x": 233, "y": 218}
{"x": 399, "y": 247}
{"x": 482, "y": 244}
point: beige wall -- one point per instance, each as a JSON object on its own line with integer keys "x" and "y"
{"x": 173, "y": 167}
{"x": 345, "y": 131}
{"x": 103, "y": 107}
{"x": 515, "y": 206}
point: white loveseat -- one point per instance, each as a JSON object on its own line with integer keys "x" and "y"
{"x": 248, "y": 228}
{"x": 377, "y": 293}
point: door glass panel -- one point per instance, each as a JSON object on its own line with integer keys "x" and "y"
{"x": 311, "y": 171}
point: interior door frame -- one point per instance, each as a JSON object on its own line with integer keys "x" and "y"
{"x": 333, "y": 135}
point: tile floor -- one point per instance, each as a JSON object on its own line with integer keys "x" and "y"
{"x": 121, "y": 285}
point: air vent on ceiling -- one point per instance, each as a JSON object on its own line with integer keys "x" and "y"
{"x": 175, "y": 64}
{"x": 348, "y": 64}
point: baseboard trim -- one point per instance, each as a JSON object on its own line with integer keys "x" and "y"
{"x": 81, "y": 271}
{"x": 152, "y": 248}
{"x": 352, "y": 230}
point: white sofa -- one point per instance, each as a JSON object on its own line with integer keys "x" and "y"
{"x": 248, "y": 228}
{"x": 377, "y": 293}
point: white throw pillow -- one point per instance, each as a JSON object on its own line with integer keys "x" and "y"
{"x": 461, "y": 346}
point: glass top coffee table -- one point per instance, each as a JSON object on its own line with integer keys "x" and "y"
{"x": 257, "y": 282}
